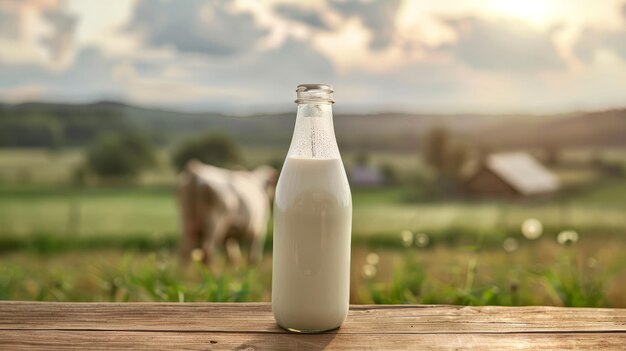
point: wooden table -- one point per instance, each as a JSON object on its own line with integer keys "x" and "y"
{"x": 250, "y": 326}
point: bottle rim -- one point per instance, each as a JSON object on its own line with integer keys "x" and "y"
{"x": 314, "y": 93}
{"x": 307, "y": 87}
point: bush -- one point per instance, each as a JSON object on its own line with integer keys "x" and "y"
{"x": 120, "y": 155}
{"x": 31, "y": 130}
{"x": 215, "y": 149}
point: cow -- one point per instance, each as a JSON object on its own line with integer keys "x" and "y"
{"x": 221, "y": 207}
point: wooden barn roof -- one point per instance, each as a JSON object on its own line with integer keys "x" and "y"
{"x": 522, "y": 172}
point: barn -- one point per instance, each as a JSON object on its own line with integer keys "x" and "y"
{"x": 511, "y": 174}
{"x": 366, "y": 176}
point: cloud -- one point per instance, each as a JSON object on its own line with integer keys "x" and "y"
{"x": 59, "y": 42}
{"x": 238, "y": 84}
{"x": 9, "y": 25}
{"x": 506, "y": 45}
{"x": 21, "y": 93}
{"x": 294, "y": 60}
{"x": 196, "y": 26}
{"x": 378, "y": 16}
{"x": 89, "y": 76}
{"x": 37, "y": 32}
{"x": 158, "y": 89}
{"x": 593, "y": 40}
{"x": 247, "y": 56}
{"x": 301, "y": 14}
{"x": 264, "y": 82}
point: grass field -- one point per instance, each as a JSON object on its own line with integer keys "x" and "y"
{"x": 542, "y": 272}
{"x": 75, "y": 213}
{"x": 103, "y": 243}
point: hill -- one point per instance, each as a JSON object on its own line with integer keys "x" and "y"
{"x": 47, "y": 124}
{"x": 604, "y": 128}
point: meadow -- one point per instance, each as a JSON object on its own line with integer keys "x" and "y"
{"x": 112, "y": 242}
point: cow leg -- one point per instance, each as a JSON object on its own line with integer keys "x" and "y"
{"x": 257, "y": 245}
{"x": 190, "y": 221}
{"x": 216, "y": 230}
{"x": 233, "y": 251}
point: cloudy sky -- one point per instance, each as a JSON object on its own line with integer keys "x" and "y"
{"x": 246, "y": 56}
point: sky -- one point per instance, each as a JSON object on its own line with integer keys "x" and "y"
{"x": 246, "y": 56}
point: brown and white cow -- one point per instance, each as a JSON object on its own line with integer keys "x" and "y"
{"x": 220, "y": 206}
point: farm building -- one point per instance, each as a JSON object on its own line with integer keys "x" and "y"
{"x": 511, "y": 174}
{"x": 366, "y": 175}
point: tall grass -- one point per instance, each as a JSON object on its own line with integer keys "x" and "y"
{"x": 566, "y": 282}
{"x": 155, "y": 277}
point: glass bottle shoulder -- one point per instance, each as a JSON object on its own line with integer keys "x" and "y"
{"x": 307, "y": 179}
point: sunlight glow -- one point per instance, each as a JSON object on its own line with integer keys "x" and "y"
{"x": 536, "y": 11}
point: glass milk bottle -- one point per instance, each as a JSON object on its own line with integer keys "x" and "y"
{"x": 312, "y": 222}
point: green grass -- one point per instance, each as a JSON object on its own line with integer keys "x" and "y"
{"x": 27, "y": 166}
{"x": 80, "y": 215}
{"x": 43, "y": 167}
{"x": 95, "y": 212}
{"x": 538, "y": 273}
{"x": 134, "y": 214}
{"x": 611, "y": 194}
{"x": 62, "y": 243}
{"x": 112, "y": 276}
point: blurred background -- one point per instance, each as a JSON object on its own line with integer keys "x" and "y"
{"x": 485, "y": 143}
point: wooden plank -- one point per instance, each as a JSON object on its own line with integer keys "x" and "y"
{"x": 100, "y": 340}
{"x": 257, "y": 317}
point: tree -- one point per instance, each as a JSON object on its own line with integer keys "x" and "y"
{"x": 120, "y": 155}
{"x": 215, "y": 149}
{"x": 437, "y": 148}
{"x": 31, "y": 130}
{"x": 446, "y": 158}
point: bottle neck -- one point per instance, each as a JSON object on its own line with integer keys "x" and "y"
{"x": 314, "y": 134}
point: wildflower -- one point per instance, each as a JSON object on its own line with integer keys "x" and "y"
{"x": 407, "y": 238}
{"x": 372, "y": 258}
{"x": 368, "y": 271}
{"x": 567, "y": 237}
{"x": 510, "y": 245}
{"x": 197, "y": 255}
{"x": 421, "y": 239}
{"x": 532, "y": 229}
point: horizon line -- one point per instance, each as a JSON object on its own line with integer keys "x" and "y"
{"x": 275, "y": 111}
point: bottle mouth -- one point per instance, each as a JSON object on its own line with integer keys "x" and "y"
{"x": 314, "y": 93}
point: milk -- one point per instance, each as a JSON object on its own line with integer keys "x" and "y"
{"x": 312, "y": 226}
{"x": 311, "y": 262}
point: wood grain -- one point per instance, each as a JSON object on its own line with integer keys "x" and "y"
{"x": 105, "y": 340}
{"x": 208, "y": 326}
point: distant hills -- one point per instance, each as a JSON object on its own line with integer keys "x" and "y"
{"x": 46, "y": 124}
{"x": 603, "y": 128}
